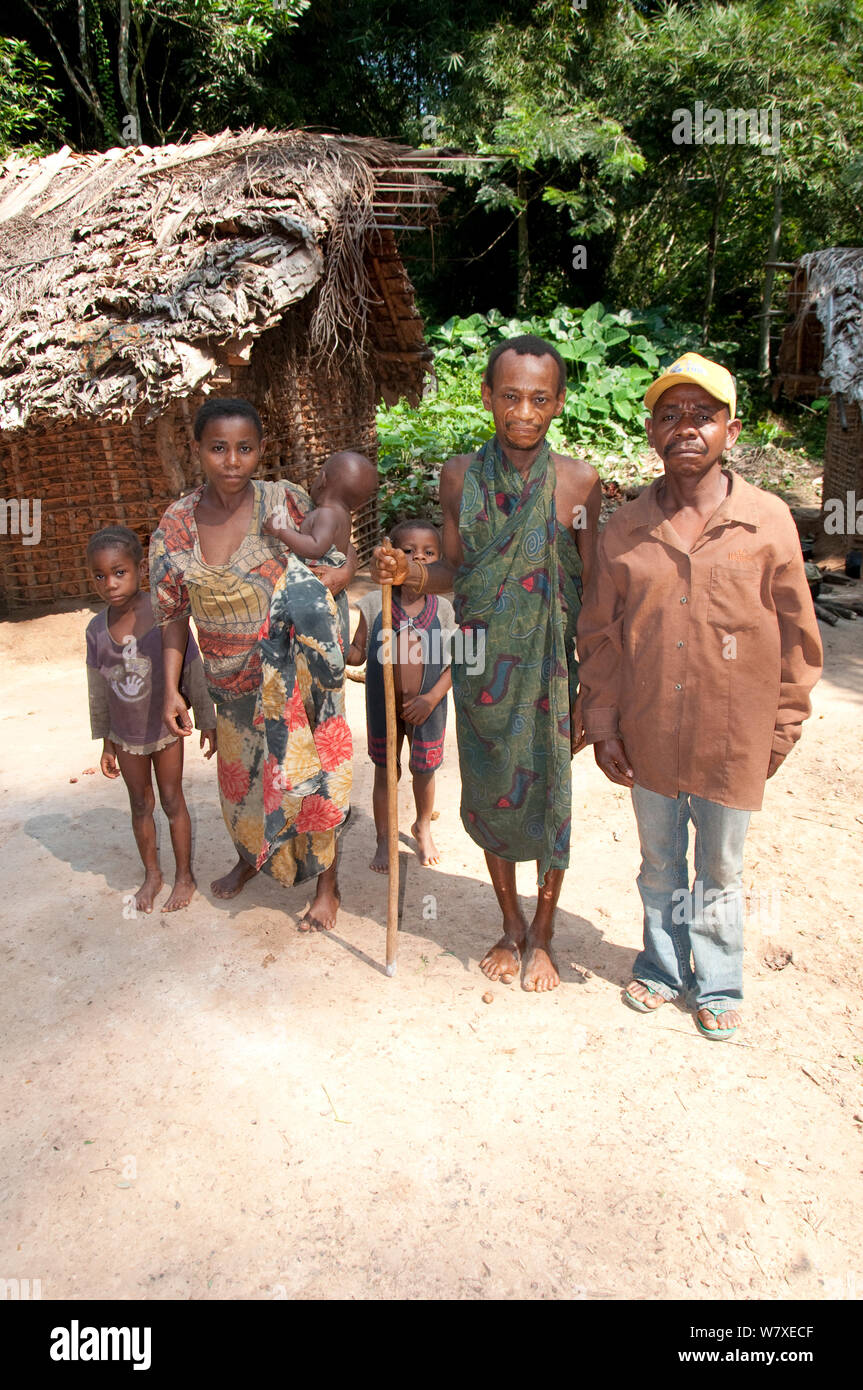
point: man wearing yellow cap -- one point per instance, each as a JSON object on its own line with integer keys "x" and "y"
{"x": 698, "y": 648}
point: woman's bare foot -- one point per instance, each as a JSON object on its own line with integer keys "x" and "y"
{"x": 540, "y": 972}
{"x": 426, "y": 848}
{"x": 229, "y": 885}
{"x": 381, "y": 861}
{"x": 146, "y": 894}
{"x": 181, "y": 894}
{"x": 638, "y": 991}
{"x": 321, "y": 914}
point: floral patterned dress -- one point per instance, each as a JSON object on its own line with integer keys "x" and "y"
{"x": 284, "y": 746}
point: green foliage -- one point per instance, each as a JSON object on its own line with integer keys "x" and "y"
{"x": 28, "y": 100}
{"x": 708, "y": 207}
{"x": 611, "y": 359}
{"x": 518, "y": 102}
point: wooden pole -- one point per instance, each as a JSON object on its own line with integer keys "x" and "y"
{"x": 392, "y": 777}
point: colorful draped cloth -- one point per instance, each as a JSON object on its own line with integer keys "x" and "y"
{"x": 307, "y": 742}
{"x": 280, "y": 729}
{"x": 519, "y": 589}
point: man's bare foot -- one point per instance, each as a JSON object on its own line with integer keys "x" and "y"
{"x": 640, "y": 993}
{"x": 540, "y": 972}
{"x": 146, "y": 894}
{"x": 181, "y": 894}
{"x": 502, "y": 961}
{"x": 229, "y": 885}
{"x": 321, "y": 914}
{"x": 426, "y": 848}
{"x": 381, "y": 861}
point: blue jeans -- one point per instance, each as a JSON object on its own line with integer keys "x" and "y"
{"x": 693, "y": 941}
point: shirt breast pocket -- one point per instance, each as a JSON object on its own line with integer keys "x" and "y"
{"x": 734, "y": 603}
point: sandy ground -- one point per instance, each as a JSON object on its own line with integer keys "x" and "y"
{"x": 211, "y": 1105}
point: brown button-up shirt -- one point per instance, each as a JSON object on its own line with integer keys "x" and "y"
{"x": 700, "y": 660}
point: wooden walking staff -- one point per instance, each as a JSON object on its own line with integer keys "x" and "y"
{"x": 392, "y": 772}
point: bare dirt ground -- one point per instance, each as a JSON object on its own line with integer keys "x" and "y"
{"x": 211, "y": 1105}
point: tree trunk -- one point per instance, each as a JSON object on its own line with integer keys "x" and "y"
{"x": 713, "y": 240}
{"x": 711, "y": 274}
{"x": 769, "y": 277}
{"x": 127, "y": 89}
{"x": 523, "y": 245}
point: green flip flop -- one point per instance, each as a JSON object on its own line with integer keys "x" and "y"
{"x": 720, "y": 1006}
{"x": 638, "y": 1004}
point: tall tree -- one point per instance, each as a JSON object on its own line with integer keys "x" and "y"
{"x": 152, "y": 68}
{"x": 519, "y": 102}
{"x": 739, "y": 107}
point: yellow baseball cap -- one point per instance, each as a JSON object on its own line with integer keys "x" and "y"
{"x": 698, "y": 371}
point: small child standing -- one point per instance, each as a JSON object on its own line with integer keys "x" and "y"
{"x": 345, "y": 481}
{"x": 126, "y": 688}
{"x": 422, "y": 626}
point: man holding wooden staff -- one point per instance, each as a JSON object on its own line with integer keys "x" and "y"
{"x": 519, "y": 531}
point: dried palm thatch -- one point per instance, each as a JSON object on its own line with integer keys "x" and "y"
{"x": 835, "y": 285}
{"x": 123, "y": 274}
{"x": 822, "y": 346}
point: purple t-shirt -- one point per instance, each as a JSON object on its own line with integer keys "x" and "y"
{"x": 134, "y": 683}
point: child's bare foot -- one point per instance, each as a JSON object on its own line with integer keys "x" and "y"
{"x": 381, "y": 861}
{"x": 146, "y": 894}
{"x": 229, "y": 885}
{"x": 426, "y": 847}
{"x": 181, "y": 894}
{"x": 321, "y": 914}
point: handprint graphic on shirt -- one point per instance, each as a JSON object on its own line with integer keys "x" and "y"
{"x": 131, "y": 681}
{"x": 131, "y": 687}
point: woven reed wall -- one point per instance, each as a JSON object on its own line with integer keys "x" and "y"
{"x": 88, "y": 474}
{"x": 843, "y": 453}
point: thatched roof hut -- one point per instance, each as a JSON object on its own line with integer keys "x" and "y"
{"x": 821, "y": 353}
{"x": 135, "y": 281}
